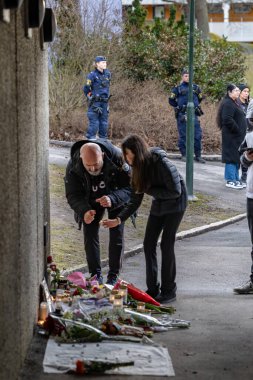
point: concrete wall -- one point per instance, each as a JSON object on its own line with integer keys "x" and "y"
{"x": 24, "y": 200}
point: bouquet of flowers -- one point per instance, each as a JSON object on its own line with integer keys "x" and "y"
{"x": 84, "y": 367}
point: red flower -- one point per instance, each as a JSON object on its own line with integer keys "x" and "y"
{"x": 80, "y": 368}
{"x": 49, "y": 259}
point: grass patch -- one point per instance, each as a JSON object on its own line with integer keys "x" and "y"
{"x": 67, "y": 246}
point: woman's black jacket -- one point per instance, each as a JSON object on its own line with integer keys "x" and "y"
{"x": 78, "y": 183}
{"x": 166, "y": 187}
{"x": 233, "y": 129}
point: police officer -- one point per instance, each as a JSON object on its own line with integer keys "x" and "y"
{"x": 179, "y": 99}
{"x": 97, "y": 91}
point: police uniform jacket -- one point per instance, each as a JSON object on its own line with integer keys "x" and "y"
{"x": 166, "y": 187}
{"x": 233, "y": 130}
{"x": 98, "y": 84}
{"x": 78, "y": 181}
{"x": 179, "y": 96}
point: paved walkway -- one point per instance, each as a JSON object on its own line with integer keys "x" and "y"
{"x": 218, "y": 345}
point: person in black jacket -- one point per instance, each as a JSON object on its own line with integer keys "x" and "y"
{"x": 155, "y": 175}
{"x": 232, "y": 122}
{"x": 97, "y": 179}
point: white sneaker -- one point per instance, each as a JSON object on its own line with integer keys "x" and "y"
{"x": 234, "y": 185}
{"x": 245, "y": 288}
{"x": 239, "y": 184}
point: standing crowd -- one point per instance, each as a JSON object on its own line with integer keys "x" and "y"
{"x": 102, "y": 177}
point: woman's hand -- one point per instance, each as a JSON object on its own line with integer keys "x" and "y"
{"x": 110, "y": 223}
{"x": 104, "y": 201}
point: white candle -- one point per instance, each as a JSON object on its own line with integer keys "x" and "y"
{"x": 140, "y": 306}
{"x": 118, "y": 302}
{"x": 112, "y": 295}
{"x": 43, "y": 311}
{"x": 123, "y": 293}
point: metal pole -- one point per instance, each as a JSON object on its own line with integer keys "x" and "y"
{"x": 190, "y": 110}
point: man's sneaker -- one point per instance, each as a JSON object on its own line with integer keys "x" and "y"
{"x": 200, "y": 160}
{"x": 112, "y": 279}
{"x": 239, "y": 184}
{"x": 100, "y": 280}
{"x": 153, "y": 294}
{"x": 183, "y": 158}
{"x": 245, "y": 288}
{"x": 96, "y": 277}
{"x": 166, "y": 298}
{"x": 234, "y": 185}
{"x": 244, "y": 184}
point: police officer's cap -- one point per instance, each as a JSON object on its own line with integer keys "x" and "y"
{"x": 100, "y": 58}
{"x": 185, "y": 71}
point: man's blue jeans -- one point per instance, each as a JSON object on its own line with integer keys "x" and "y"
{"x": 231, "y": 172}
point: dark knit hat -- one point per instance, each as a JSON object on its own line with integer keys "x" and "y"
{"x": 242, "y": 86}
{"x": 100, "y": 58}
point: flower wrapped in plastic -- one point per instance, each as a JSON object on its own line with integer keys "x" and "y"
{"x": 84, "y": 367}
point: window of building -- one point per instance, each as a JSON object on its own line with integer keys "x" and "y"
{"x": 158, "y": 11}
{"x": 242, "y": 8}
{"x": 215, "y": 8}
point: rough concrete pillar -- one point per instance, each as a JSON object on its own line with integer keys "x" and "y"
{"x": 24, "y": 201}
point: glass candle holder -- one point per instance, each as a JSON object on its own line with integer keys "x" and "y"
{"x": 123, "y": 293}
{"x": 112, "y": 295}
{"x": 43, "y": 311}
{"x": 118, "y": 302}
{"x": 59, "y": 294}
{"x": 140, "y": 306}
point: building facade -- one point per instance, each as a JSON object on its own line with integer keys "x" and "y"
{"x": 24, "y": 194}
{"x": 232, "y": 19}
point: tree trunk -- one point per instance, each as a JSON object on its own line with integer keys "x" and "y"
{"x": 202, "y": 18}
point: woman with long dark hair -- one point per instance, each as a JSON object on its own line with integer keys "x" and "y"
{"x": 155, "y": 175}
{"x": 232, "y": 122}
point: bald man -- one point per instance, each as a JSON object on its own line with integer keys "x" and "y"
{"x": 97, "y": 179}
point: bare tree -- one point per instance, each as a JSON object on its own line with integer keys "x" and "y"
{"x": 201, "y": 13}
{"x": 101, "y": 16}
{"x": 202, "y": 18}
{"x": 85, "y": 29}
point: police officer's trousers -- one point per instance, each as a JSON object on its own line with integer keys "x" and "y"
{"x": 181, "y": 126}
{"x": 98, "y": 120}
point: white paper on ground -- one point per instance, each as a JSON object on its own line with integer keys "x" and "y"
{"x": 148, "y": 359}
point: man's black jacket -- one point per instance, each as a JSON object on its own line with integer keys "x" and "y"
{"x": 78, "y": 184}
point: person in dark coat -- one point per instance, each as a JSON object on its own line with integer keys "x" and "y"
{"x": 97, "y": 179}
{"x": 155, "y": 175}
{"x": 232, "y": 122}
{"x": 243, "y": 102}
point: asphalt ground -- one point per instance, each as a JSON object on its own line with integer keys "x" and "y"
{"x": 218, "y": 345}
